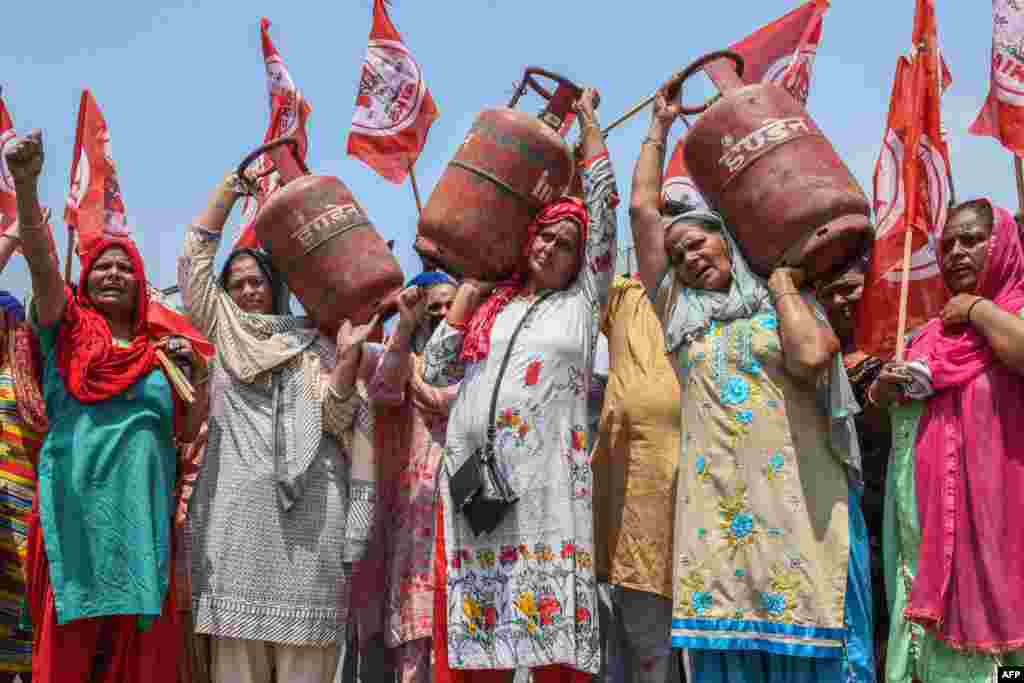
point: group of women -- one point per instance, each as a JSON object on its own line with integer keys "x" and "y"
{"x": 431, "y": 495}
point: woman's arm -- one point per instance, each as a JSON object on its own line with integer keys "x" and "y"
{"x": 645, "y": 199}
{"x": 196, "y": 278}
{"x": 9, "y": 240}
{"x": 25, "y": 162}
{"x": 808, "y": 343}
{"x": 601, "y": 197}
{"x": 1003, "y": 330}
{"x": 390, "y": 377}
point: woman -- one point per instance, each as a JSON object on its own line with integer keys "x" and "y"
{"x": 411, "y": 418}
{"x": 271, "y": 536}
{"x": 523, "y": 593}
{"x": 99, "y": 555}
{"x": 953, "y": 541}
{"x": 22, "y": 426}
{"x": 839, "y": 294}
{"x": 771, "y": 577}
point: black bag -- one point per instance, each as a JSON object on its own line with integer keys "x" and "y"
{"x": 478, "y": 489}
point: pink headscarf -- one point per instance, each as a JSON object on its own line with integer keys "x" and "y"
{"x": 477, "y": 342}
{"x": 969, "y": 472}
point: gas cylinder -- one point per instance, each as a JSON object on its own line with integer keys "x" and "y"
{"x": 760, "y": 160}
{"x": 509, "y": 166}
{"x": 321, "y": 240}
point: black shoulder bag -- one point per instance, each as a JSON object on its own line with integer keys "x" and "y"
{"x": 478, "y": 489}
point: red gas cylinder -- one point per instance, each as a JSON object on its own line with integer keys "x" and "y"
{"x": 509, "y": 166}
{"x": 319, "y": 237}
{"x": 759, "y": 159}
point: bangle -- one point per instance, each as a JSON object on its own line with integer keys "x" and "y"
{"x": 460, "y": 327}
{"x": 657, "y": 143}
{"x": 785, "y": 294}
{"x": 971, "y": 307}
{"x": 870, "y": 395}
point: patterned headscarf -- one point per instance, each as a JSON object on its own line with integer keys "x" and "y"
{"x": 694, "y": 309}
{"x": 477, "y": 343}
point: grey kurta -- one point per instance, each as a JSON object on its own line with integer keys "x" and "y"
{"x": 261, "y": 571}
{"x": 524, "y": 595}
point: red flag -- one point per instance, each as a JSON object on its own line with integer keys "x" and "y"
{"x": 394, "y": 109}
{"x": 289, "y": 112}
{"x": 1002, "y": 116}
{"x": 912, "y": 191}
{"x": 94, "y": 205}
{"x": 677, "y": 185}
{"x": 781, "y": 52}
{"x": 8, "y": 204}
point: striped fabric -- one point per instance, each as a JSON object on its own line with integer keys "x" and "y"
{"x": 17, "y": 486}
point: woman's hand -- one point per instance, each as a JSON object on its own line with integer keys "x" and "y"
{"x": 180, "y": 351}
{"x": 958, "y": 309}
{"x": 352, "y": 337}
{"x": 786, "y": 279}
{"x": 411, "y": 305}
{"x": 25, "y": 158}
{"x": 890, "y": 385}
{"x": 664, "y": 114}
{"x": 586, "y": 108}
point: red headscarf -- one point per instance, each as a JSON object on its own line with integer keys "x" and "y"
{"x": 477, "y": 343}
{"x": 93, "y": 368}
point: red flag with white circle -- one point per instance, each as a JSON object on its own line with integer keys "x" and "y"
{"x": 1002, "y": 116}
{"x": 394, "y": 109}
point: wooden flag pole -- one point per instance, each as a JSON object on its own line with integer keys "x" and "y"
{"x": 415, "y": 189}
{"x": 70, "y": 256}
{"x": 1018, "y": 170}
{"x": 901, "y": 324}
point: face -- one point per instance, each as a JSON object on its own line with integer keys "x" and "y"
{"x": 112, "y": 284}
{"x": 552, "y": 259}
{"x": 439, "y": 301}
{"x": 699, "y": 256}
{"x": 963, "y": 249}
{"x": 839, "y": 299}
{"x": 248, "y": 287}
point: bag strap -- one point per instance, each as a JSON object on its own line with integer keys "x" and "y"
{"x": 491, "y": 430}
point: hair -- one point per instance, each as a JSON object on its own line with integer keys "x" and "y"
{"x": 672, "y": 207}
{"x": 982, "y": 207}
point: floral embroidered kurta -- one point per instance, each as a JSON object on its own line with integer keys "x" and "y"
{"x": 762, "y": 518}
{"x": 524, "y": 595}
{"x": 408, "y": 501}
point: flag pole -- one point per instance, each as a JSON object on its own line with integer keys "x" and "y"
{"x": 70, "y": 255}
{"x": 415, "y": 189}
{"x": 1018, "y": 170}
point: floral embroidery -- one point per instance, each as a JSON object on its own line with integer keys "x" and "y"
{"x": 737, "y": 522}
{"x": 767, "y": 321}
{"x": 568, "y": 550}
{"x": 579, "y": 438}
{"x": 524, "y": 551}
{"x": 485, "y": 558}
{"x": 532, "y": 375}
{"x": 736, "y": 391}
{"x": 584, "y": 560}
{"x": 702, "y": 532}
{"x": 508, "y": 556}
{"x": 703, "y": 471}
{"x": 694, "y": 598}
{"x": 740, "y": 573}
{"x": 775, "y": 466}
{"x": 745, "y": 417}
{"x": 780, "y": 601}
{"x": 575, "y": 383}
{"x": 542, "y": 553}
{"x": 700, "y": 602}
{"x": 511, "y": 420}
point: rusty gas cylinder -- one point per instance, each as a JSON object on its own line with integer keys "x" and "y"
{"x": 758, "y": 158}
{"x": 321, "y": 240}
{"x": 509, "y": 166}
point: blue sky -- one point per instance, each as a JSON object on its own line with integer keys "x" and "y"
{"x": 182, "y": 87}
